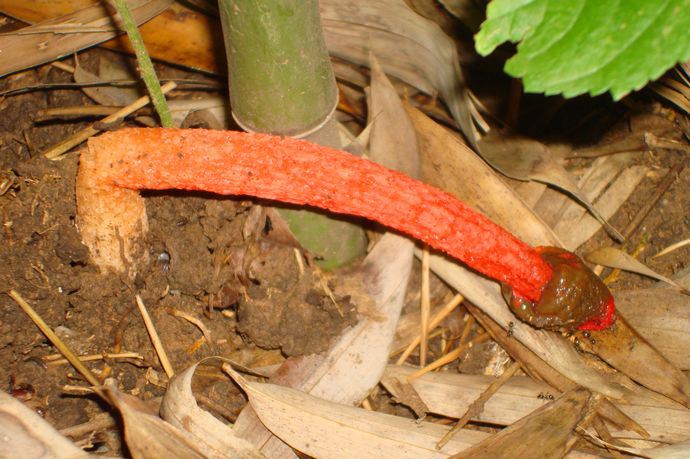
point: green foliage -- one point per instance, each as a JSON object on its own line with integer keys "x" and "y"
{"x": 578, "y": 46}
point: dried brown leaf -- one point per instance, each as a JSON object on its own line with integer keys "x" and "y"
{"x": 521, "y": 158}
{"x": 608, "y": 182}
{"x": 546, "y": 433}
{"x": 22, "y": 429}
{"x": 210, "y": 435}
{"x": 23, "y": 51}
{"x": 624, "y": 349}
{"x": 146, "y": 434}
{"x": 450, "y": 394}
{"x": 321, "y": 428}
{"x": 410, "y": 47}
{"x": 662, "y": 316}
{"x": 616, "y": 258}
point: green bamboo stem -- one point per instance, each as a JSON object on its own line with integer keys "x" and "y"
{"x": 281, "y": 82}
{"x": 280, "y": 76}
{"x": 146, "y": 70}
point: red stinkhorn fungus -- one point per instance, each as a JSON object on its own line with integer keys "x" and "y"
{"x": 547, "y": 287}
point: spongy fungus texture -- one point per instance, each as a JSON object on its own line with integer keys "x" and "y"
{"x": 112, "y": 218}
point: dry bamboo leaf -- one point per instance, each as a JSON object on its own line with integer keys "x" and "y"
{"x": 23, "y": 51}
{"x": 616, "y": 258}
{"x": 546, "y": 433}
{"x": 211, "y": 436}
{"x": 404, "y": 393}
{"x": 541, "y": 371}
{"x": 392, "y": 139}
{"x": 524, "y": 159}
{"x": 607, "y": 183}
{"x": 624, "y": 349}
{"x": 450, "y": 394}
{"x": 530, "y": 192}
{"x": 673, "y": 247}
{"x": 114, "y": 68}
{"x": 22, "y": 429}
{"x": 321, "y": 428}
{"x": 146, "y": 434}
{"x": 178, "y": 35}
{"x": 409, "y": 47}
{"x": 662, "y": 316}
{"x": 468, "y": 11}
{"x": 679, "y": 450}
{"x": 673, "y": 95}
{"x": 576, "y": 231}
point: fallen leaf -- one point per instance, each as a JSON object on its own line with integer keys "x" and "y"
{"x": 213, "y": 437}
{"x": 23, "y": 51}
{"x": 623, "y": 348}
{"x": 662, "y": 316}
{"x": 521, "y": 158}
{"x": 22, "y": 429}
{"x": 321, "y": 428}
{"x": 114, "y": 68}
{"x": 546, "y": 433}
{"x": 450, "y": 394}
{"x": 615, "y": 258}
{"x": 409, "y": 46}
{"x": 680, "y": 450}
{"x": 608, "y": 183}
{"x": 146, "y": 434}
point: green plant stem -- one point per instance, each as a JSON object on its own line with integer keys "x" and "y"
{"x": 281, "y": 82}
{"x": 280, "y": 75}
{"x": 146, "y": 70}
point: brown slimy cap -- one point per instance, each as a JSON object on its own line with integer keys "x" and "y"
{"x": 573, "y": 299}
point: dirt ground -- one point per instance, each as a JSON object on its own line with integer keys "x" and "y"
{"x": 214, "y": 259}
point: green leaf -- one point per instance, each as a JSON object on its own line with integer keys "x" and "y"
{"x": 572, "y": 47}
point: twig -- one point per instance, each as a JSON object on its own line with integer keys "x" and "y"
{"x": 86, "y": 110}
{"x": 438, "y": 317}
{"x": 57, "y": 360}
{"x": 99, "y": 422}
{"x": 467, "y": 329}
{"x": 449, "y": 357}
{"x": 477, "y": 406}
{"x": 425, "y": 309}
{"x": 300, "y": 261}
{"x": 71, "y": 142}
{"x": 155, "y": 340}
{"x": 57, "y": 342}
{"x": 193, "y": 320}
{"x": 672, "y": 247}
{"x": 148, "y": 74}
